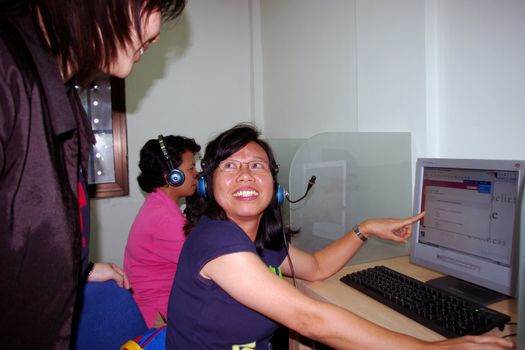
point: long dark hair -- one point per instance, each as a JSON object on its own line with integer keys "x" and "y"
{"x": 86, "y": 34}
{"x": 153, "y": 165}
{"x": 271, "y": 229}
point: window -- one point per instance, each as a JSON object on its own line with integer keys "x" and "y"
{"x": 104, "y": 102}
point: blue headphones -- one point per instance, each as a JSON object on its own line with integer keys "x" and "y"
{"x": 202, "y": 190}
{"x": 175, "y": 177}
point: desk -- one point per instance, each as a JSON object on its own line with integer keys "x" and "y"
{"x": 336, "y": 292}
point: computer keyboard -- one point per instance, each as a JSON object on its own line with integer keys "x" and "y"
{"x": 430, "y": 306}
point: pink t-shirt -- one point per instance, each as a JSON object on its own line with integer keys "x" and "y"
{"x": 152, "y": 253}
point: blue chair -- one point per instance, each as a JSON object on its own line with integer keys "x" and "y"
{"x": 108, "y": 317}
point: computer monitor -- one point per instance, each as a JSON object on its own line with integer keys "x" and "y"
{"x": 470, "y": 232}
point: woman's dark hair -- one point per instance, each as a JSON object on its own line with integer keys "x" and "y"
{"x": 153, "y": 165}
{"x": 270, "y": 231}
{"x": 86, "y": 34}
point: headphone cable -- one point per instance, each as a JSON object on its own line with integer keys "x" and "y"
{"x": 286, "y": 247}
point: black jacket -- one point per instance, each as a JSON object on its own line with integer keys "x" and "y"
{"x": 45, "y": 140}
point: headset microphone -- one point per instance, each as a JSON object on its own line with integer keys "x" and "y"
{"x": 311, "y": 183}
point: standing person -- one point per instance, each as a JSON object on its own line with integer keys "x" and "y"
{"x": 228, "y": 293}
{"x": 155, "y": 240}
{"x": 46, "y": 48}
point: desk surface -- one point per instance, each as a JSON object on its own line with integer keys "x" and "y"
{"x": 336, "y": 292}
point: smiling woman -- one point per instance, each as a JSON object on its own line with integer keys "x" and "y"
{"x": 244, "y": 192}
{"x": 228, "y": 292}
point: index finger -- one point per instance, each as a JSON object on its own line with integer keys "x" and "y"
{"x": 412, "y": 219}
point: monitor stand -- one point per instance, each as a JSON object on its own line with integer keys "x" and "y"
{"x": 467, "y": 290}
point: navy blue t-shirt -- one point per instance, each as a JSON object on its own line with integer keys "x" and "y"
{"x": 201, "y": 315}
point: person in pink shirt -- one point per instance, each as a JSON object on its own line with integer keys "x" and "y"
{"x": 168, "y": 175}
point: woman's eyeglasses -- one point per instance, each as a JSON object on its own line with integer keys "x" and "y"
{"x": 234, "y": 166}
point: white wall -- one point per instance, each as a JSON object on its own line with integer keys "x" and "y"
{"x": 391, "y": 67}
{"x": 480, "y": 78}
{"x": 309, "y": 66}
{"x": 448, "y": 71}
{"x": 343, "y": 66}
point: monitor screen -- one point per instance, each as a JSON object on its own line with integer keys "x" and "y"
{"x": 470, "y": 229}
